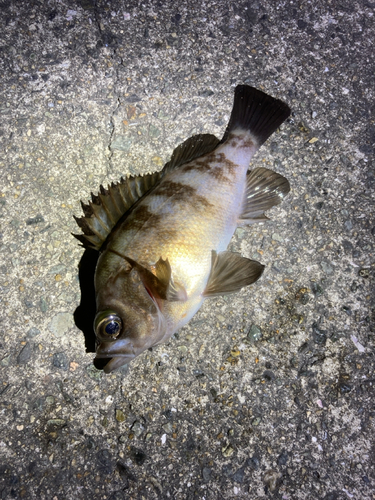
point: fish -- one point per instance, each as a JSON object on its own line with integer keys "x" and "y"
{"x": 162, "y": 237}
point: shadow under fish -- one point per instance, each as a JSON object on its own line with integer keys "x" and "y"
{"x": 160, "y": 239}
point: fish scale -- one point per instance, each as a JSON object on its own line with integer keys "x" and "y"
{"x": 166, "y": 253}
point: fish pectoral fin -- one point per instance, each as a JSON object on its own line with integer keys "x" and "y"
{"x": 160, "y": 285}
{"x": 264, "y": 190}
{"x": 230, "y": 272}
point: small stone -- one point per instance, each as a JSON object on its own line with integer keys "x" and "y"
{"x": 50, "y": 400}
{"x": 25, "y": 354}
{"x": 277, "y": 237}
{"x": 6, "y": 361}
{"x": 153, "y": 131}
{"x": 56, "y": 423}
{"x": 93, "y": 372}
{"x": 131, "y": 112}
{"x": 319, "y": 335}
{"x": 256, "y": 421}
{"x": 167, "y": 428}
{"x": 253, "y": 462}
{"x": 364, "y": 273}
{"x": 61, "y": 323}
{"x": 133, "y": 98}
{"x": 313, "y": 140}
{"x": 120, "y": 417}
{"x": 60, "y": 361}
{"x": 317, "y": 290}
{"x": 282, "y": 459}
{"x": 206, "y": 473}
{"x": 121, "y": 143}
{"x": 43, "y": 305}
{"x": 344, "y": 387}
{"x": 270, "y": 479}
{"x": 326, "y": 267}
{"x": 255, "y": 333}
{"x": 239, "y": 475}
{"x": 137, "y": 428}
{"x": 35, "y": 220}
{"x": 268, "y": 375}
{"x": 227, "y": 451}
{"x": 105, "y": 461}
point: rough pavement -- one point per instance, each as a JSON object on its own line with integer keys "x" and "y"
{"x": 265, "y": 394}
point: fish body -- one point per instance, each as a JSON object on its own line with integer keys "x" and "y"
{"x": 163, "y": 250}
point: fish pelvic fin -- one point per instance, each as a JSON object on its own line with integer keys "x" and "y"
{"x": 230, "y": 272}
{"x": 256, "y": 112}
{"x": 264, "y": 190}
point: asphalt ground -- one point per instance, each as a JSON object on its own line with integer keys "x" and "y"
{"x": 265, "y": 394}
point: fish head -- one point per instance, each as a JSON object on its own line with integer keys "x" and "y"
{"x": 128, "y": 319}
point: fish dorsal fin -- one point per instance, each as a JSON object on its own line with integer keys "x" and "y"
{"x": 109, "y": 205}
{"x": 159, "y": 283}
{"x": 104, "y": 210}
{"x": 230, "y": 272}
{"x": 264, "y": 190}
{"x": 192, "y": 148}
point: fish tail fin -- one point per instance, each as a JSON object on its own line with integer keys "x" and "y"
{"x": 256, "y": 112}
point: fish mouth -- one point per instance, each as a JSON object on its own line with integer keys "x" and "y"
{"x": 112, "y": 364}
{"x": 117, "y": 354}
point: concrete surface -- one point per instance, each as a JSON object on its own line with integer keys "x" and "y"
{"x": 265, "y": 394}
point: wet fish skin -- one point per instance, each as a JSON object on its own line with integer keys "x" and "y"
{"x": 167, "y": 253}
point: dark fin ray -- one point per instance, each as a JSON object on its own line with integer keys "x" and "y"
{"x": 160, "y": 285}
{"x": 257, "y": 112}
{"x": 192, "y": 148}
{"x": 264, "y": 190}
{"x": 230, "y": 272}
{"x": 104, "y": 210}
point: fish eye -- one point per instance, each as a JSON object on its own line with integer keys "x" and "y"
{"x": 108, "y": 324}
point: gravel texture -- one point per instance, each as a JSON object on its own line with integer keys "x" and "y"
{"x": 268, "y": 393}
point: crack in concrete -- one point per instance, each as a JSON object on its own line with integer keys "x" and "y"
{"x": 115, "y": 66}
{"x": 112, "y": 133}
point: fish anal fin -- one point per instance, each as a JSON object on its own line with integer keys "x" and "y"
{"x": 264, "y": 190}
{"x": 230, "y": 272}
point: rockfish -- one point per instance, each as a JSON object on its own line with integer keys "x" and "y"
{"x": 162, "y": 237}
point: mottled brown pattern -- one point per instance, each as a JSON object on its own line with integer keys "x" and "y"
{"x": 142, "y": 216}
{"x": 208, "y": 164}
{"x": 232, "y": 140}
{"x": 248, "y": 143}
{"x": 240, "y": 141}
{"x": 182, "y": 193}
